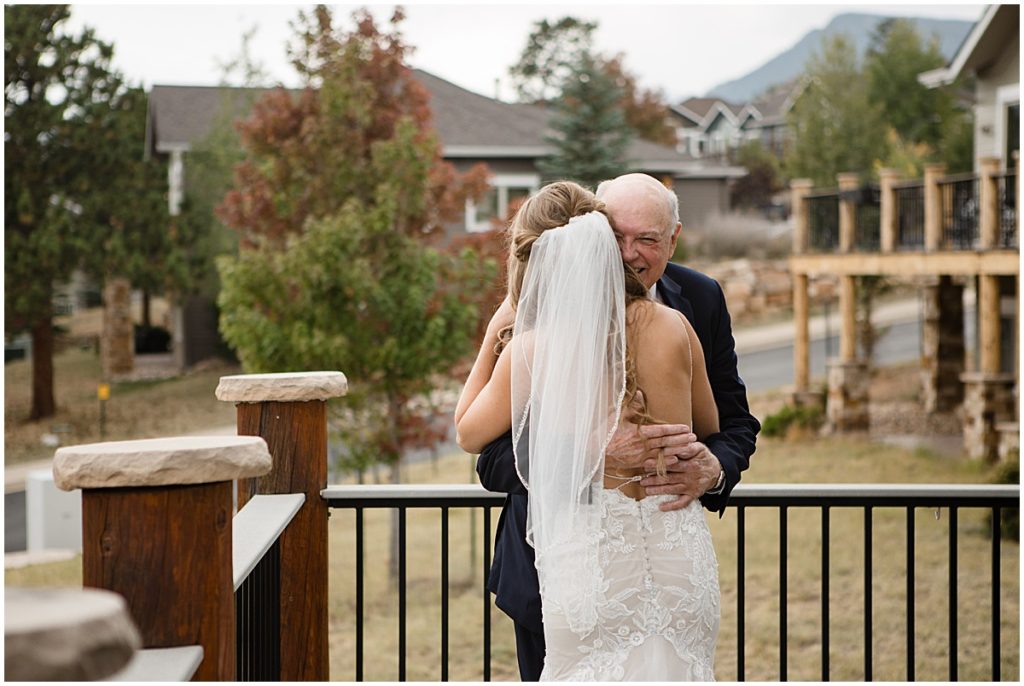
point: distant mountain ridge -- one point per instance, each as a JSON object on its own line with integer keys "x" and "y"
{"x": 859, "y": 27}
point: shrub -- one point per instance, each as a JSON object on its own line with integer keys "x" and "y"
{"x": 808, "y": 417}
{"x": 1009, "y": 517}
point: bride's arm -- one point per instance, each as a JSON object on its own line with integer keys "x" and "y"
{"x": 485, "y": 412}
{"x": 479, "y": 378}
{"x": 705, "y": 412}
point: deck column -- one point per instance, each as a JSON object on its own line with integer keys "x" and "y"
{"x": 848, "y": 182}
{"x": 933, "y": 206}
{"x": 887, "y": 209}
{"x": 799, "y": 189}
{"x": 289, "y": 411}
{"x": 156, "y": 529}
{"x": 988, "y": 201}
{"x": 849, "y": 377}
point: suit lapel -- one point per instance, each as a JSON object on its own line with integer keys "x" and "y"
{"x": 672, "y": 294}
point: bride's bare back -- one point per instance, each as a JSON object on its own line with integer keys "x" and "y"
{"x": 671, "y": 373}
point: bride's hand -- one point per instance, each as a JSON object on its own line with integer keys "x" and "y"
{"x": 504, "y": 316}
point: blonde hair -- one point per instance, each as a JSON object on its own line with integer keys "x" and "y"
{"x": 550, "y": 208}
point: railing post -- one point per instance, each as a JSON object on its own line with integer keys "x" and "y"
{"x": 289, "y": 411}
{"x": 933, "y": 206}
{"x": 156, "y": 528}
{"x": 799, "y": 189}
{"x": 847, "y": 210}
{"x": 988, "y": 201}
{"x": 801, "y": 337}
{"x": 887, "y": 209}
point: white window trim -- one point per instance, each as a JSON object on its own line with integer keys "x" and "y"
{"x": 1005, "y": 96}
{"x": 501, "y": 183}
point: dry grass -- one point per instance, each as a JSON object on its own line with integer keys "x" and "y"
{"x": 141, "y": 409}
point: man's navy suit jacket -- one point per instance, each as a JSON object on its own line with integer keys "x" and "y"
{"x": 513, "y": 577}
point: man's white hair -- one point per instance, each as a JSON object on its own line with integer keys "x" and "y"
{"x": 669, "y": 196}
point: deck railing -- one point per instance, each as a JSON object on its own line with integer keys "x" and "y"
{"x": 1007, "y": 183}
{"x": 783, "y": 498}
{"x": 910, "y": 215}
{"x": 823, "y": 220}
{"x": 960, "y": 211}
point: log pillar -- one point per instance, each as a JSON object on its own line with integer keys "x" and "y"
{"x": 849, "y": 378}
{"x": 117, "y": 341}
{"x": 799, "y": 189}
{"x": 933, "y": 206}
{"x": 156, "y": 529}
{"x": 801, "y": 336}
{"x": 887, "y": 209}
{"x": 988, "y": 202}
{"x": 289, "y": 411}
{"x": 848, "y": 182}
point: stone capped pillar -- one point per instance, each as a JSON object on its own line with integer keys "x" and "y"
{"x": 887, "y": 179}
{"x": 156, "y": 529}
{"x": 942, "y": 362}
{"x": 799, "y": 189}
{"x": 289, "y": 411}
{"x": 117, "y": 341}
{"x": 849, "y": 384}
{"x": 848, "y": 183}
{"x": 989, "y": 400}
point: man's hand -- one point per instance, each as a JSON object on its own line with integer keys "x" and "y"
{"x": 634, "y": 445}
{"x": 692, "y": 470}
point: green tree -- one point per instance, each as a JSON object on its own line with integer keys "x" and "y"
{"x": 919, "y": 115}
{"x": 340, "y": 190}
{"x": 590, "y": 130}
{"x": 54, "y": 83}
{"x": 763, "y": 179}
{"x": 835, "y": 125}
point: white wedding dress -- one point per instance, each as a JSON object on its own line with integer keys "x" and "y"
{"x": 628, "y": 592}
{"x": 657, "y": 605}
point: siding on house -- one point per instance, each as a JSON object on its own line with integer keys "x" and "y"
{"x": 699, "y": 199}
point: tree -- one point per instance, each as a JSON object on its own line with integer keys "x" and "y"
{"x": 763, "y": 179}
{"x": 591, "y": 134}
{"x": 53, "y": 84}
{"x": 835, "y": 125}
{"x": 555, "y": 51}
{"x": 341, "y": 189}
{"x": 927, "y": 121}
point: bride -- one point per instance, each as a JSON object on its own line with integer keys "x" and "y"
{"x": 628, "y": 591}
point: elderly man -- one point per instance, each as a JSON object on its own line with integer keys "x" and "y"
{"x": 645, "y": 217}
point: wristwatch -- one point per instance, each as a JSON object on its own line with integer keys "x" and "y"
{"x": 719, "y": 485}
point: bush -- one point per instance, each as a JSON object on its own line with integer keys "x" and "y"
{"x": 151, "y": 339}
{"x": 1009, "y": 517}
{"x": 808, "y": 417}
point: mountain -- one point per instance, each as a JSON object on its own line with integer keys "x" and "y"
{"x": 859, "y": 27}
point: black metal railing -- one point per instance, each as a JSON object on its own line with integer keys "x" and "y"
{"x": 258, "y": 621}
{"x": 1007, "y": 185}
{"x": 909, "y": 215}
{"x": 867, "y": 236}
{"x": 823, "y": 221}
{"x": 744, "y": 498}
{"x": 960, "y": 211}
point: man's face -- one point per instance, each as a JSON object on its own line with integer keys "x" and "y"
{"x": 645, "y": 234}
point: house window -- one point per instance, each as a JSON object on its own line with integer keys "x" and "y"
{"x": 493, "y": 207}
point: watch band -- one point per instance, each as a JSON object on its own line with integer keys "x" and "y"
{"x": 719, "y": 485}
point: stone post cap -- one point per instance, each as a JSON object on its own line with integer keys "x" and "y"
{"x": 935, "y": 168}
{"x": 65, "y": 634}
{"x": 801, "y": 184}
{"x": 848, "y": 179}
{"x": 160, "y": 462}
{"x": 888, "y": 173}
{"x": 286, "y": 387}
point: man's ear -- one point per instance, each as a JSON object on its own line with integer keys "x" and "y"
{"x": 675, "y": 234}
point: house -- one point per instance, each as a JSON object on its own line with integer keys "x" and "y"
{"x": 991, "y": 54}
{"x": 772, "y": 107}
{"x": 508, "y": 138}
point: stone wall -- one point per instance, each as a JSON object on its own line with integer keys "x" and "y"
{"x": 756, "y": 287}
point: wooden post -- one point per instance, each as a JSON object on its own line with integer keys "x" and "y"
{"x": 289, "y": 411}
{"x": 988, "y": 323}
{"x": 933, "y": 206}
{"x": 887, "y": 208}
{"x": 801, "y": 337}
{"x": 156, "y": 528}
{"x": 988, "y": 199}
{"x": 848, "y": 328}
{"x": 799, "y": 188}
{"x": 848, "y": 181}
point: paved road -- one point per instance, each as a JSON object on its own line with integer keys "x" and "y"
{"x": 14, "y": 522}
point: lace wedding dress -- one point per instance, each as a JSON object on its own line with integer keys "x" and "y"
{"x": 658, "y": 601}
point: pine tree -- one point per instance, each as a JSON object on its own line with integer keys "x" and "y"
{"x": 591, "y": 135}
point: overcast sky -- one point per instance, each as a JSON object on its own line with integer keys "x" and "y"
{"x": 682, "y": 49}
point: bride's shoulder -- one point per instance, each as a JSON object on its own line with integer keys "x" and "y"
{"x": 654, "y": 318}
